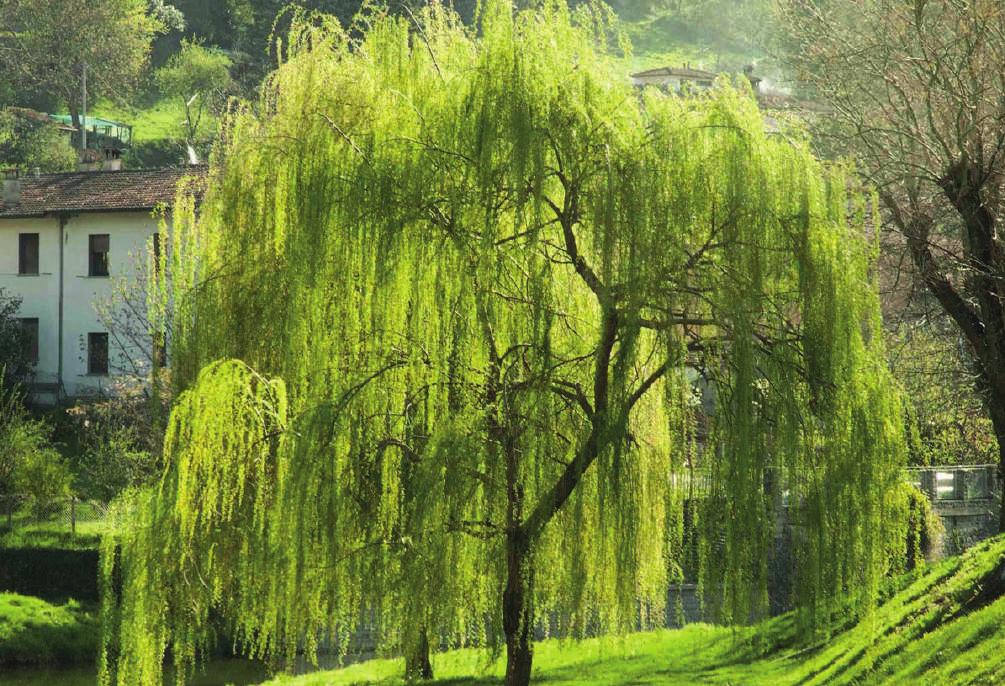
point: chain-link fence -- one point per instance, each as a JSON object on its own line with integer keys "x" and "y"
{"x": 24, "y": 518}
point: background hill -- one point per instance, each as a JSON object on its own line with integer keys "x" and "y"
{"x": 719, "y": 35}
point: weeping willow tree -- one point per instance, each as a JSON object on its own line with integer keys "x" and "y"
{"x": 434, "y": 331}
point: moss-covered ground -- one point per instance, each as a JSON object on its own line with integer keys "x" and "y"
{"x": 944, "y": 624}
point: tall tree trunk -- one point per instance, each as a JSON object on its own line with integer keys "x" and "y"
{"x": 997, "y": 411}
{"x": 417, "y": 664}
{"x": 518, "y": 615}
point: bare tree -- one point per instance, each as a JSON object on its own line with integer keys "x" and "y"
{"x": 918, "y": 95}
{"x": 125, "y": 315}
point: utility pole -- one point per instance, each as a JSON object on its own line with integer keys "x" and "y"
{"x": 83, "y": 121}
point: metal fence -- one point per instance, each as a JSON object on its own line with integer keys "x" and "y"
{"x": 26, "y": 515}
{"x": 952, "y": 489}
{"x": 957, "y": 483}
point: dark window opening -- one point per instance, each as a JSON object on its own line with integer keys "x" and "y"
{"x": 29, "y": 339}
{"x": 98, "y": 248}
{"x": 97, "y": 353}
{"x": 27, "y": 253}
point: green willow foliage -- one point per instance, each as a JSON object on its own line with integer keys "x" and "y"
{"x": 433, "y": 333}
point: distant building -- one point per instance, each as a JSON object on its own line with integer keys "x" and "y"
{"x": 107, "y": 140}
{"x": 683, "y": 80}
{"x": 675, "y": 79}
{"x": 64, "y": 238}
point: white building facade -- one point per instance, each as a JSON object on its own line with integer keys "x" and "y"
{"x": 73, "y": 249}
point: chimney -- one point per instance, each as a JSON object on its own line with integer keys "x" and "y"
{"x": 11, "y": 187}
{"x": 90, "y": 161}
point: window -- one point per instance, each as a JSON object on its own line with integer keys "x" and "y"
{"x": 27, "y": 253}
{"x": 97, "y": 353}
{"x": 29, "y": 339}
{"x": 98, "y": 244}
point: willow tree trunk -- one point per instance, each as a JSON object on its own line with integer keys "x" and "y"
{"x": 518, "y": 616}
{"x": 417, "y": 665}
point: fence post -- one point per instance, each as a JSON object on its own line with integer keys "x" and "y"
{"x": 73, "y": 515}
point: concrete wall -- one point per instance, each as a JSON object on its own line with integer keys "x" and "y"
{"x": 83, "y": 295}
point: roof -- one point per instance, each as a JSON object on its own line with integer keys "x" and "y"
{"x": 683, "y": 72}
{"x": 99, "y": 191}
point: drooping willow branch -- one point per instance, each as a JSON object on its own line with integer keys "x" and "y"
{"x": 485, "y": 312}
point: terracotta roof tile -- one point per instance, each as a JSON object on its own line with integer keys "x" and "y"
{"x": 98, "y": 191}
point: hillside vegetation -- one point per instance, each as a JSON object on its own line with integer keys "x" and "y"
{"x": 719, "y": 35}
{"x": 942, "y": 625}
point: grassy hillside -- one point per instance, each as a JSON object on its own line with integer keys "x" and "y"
{"x": 719, "y": 35}
{"x": 944, "y": 625}
{"x": 713, "y": 34}
{"x": 34, "y": 632}
{"x": 157, "y": 120}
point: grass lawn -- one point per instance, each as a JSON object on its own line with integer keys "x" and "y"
{"x": 939, "y": 626}
{"x": 697, "y": 654}
{"x": 34, "y": 632}
{"x": 54, "y": 532}
{"x": 157, "y": 120}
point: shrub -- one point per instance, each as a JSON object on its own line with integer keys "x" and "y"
{"x": 29, "y": 464}
{"x": 114, "y": 442}
{"x": 30, "y": 144}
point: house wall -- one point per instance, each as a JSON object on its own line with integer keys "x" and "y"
{"x": 39, "y": 294}
{"x": 671, "y": 83}
{"x": 83, "y": 295}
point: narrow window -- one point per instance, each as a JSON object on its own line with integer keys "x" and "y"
{"x": 27, "y": 262}
{"x": 98, "y": 244}
{"x": 97, "y": 353}
{"x": 29, "y": 339}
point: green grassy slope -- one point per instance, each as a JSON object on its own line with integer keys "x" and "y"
{"x": 159, "y": 119}
{"x": 34, "y": 632}
{"x": 718, "y": 35}
{"x": 944, "y": 625}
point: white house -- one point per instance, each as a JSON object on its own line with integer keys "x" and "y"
{"x": 675, "y": 79}
{"x": 66, "y": 242}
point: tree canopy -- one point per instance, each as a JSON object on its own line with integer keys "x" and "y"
{"x": 199, "y": 77}
{"x": 45, "y": 45}
{"x": 434, "y": 333}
